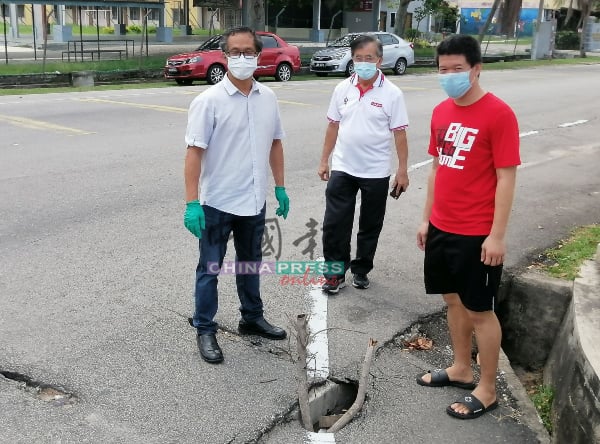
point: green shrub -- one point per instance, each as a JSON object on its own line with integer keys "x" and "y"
{"x": 542, "y": 398}
{"x": 151, "y": 29}
{"x": 107, "y": 30}
{"x": 134, "y": 29}
{"x": 567, "y": 40}
{"x": 412, "y": 34}
{"x": 421, "y": 43}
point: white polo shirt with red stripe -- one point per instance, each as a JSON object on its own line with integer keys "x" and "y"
{"x": 366, "y": 121}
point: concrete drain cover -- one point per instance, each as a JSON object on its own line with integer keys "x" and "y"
{"x": 328, "y": 402}
{"x": 54, "y": 395}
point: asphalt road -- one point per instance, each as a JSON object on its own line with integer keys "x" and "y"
{"x": 97, "y": 270}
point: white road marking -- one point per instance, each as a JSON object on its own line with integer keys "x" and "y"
{"x": 568, "y": 124}
{"x": 528, "y": 133}
{"x": 317, "y": 365}
{"x": 320, "y": 438}
{"x": 318, "y": 347}
{"x": 419, "y": 165}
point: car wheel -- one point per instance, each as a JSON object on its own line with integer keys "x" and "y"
{"x": 321, "y": 74}
{"x": 349, "y": 68}
{"x": 283, "y": 72}
{"x": 400, "y": 66}
{"x": 184, "y": 81}
{"x": 215, "y": 74}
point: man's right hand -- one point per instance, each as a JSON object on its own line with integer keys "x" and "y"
{"x": 323, "y": 170}
{"x": 193, "y": 219}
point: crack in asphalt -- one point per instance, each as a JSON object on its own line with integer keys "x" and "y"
{"x": 55, "y": 395}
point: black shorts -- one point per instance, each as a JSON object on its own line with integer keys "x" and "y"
{"x": 453, "y": 265}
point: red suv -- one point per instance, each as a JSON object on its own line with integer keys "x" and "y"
{"x": 277, "y": 59}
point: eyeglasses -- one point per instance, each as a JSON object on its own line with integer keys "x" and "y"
{"x": 237, "y": 54}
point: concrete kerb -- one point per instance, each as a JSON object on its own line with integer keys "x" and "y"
{"x": 572, "y": 367}
{"x": 552, "y": 324}
{"x": 529, "y": 415}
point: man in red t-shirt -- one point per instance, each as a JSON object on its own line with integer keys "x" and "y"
{"x": 475, "y": 144}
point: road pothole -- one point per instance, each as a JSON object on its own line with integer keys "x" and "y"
{"x": 328, "y": 402}
{"x": 54, "y": 395}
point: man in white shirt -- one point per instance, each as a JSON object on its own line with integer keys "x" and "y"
{"x": 365, "y": 110}
{"x": 233, "y": 134}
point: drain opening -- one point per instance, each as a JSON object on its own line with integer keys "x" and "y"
{"x": 54, "y": 395}
{"x": 328, "y": 402}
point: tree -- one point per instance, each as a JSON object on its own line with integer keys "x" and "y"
{"x": 399, "y": 27}
{"x": 488, "y": 21}
{"x": 510, "y": 16}
{"x": 586, "y": 9}
{"x": 420, "y": 14}
{"x": 441, "y": 11}
{"x": 257, "y": 14}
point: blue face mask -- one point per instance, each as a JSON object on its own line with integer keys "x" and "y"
{"x": 365, "y": 70}
{"x": 456, "y": 84}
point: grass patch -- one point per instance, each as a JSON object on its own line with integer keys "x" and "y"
{"x": 424, "y": 52}
{"x": 135, "y": 62}
{"x": 565, "y": 260}
{"x": 520, "y": 64}
{"x": 542, "y": 397}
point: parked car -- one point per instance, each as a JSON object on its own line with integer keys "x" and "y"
{"x": 398, "y": 54}
{"x": 277, "y": 59}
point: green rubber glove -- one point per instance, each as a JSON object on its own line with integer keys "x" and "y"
{"x": 284, "y": 202}
{"x": 193, "y": 219}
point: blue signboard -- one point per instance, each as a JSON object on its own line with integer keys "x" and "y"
{"x": 472, "y": 19}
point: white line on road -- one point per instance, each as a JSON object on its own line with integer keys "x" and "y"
{"x": 566, "y": 125}
{"x": 318, "y": 348}
{"x": 419, "y": 165}
{"x": 320, "y": 438}
{"x": 317, "y": 365}
{"x": 528, "y": 133}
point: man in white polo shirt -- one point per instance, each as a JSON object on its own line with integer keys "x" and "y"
{"x": 233, "y": 134}
{"x": 366, "y": 115}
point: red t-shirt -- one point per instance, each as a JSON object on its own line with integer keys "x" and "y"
{"x": 470, "y": 142}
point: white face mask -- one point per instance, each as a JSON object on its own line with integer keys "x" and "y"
{"x": 242, "y": 68}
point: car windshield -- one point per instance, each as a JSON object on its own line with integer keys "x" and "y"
{"x": 211, "y": 43}
{"x": 343, "y": 42}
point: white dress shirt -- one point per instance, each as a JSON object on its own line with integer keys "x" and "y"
{"x": 237, "y": 132}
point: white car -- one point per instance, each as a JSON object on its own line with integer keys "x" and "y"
{"x": 335, "y": 58}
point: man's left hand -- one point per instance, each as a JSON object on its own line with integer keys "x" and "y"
{"x": 284, "y": 202}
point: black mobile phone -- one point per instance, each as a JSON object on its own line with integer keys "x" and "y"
{"x": 396, "y": 191}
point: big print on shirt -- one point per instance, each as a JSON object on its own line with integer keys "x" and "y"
{"x": 455, "y": 144}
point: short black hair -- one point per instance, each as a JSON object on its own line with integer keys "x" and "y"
{"x": 240, "y": 30}
{"x": 460, "y": 44}
{"x": 363, "y": 40}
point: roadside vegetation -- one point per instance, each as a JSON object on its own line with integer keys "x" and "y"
{"x": 157, "y": 63}
{"x": 561, "y": 261}
{"x": 564, "y": 260}
{"x": 135, "y": 62}
{"x": 542, "y": 397}
{"x": 108, "y": 30}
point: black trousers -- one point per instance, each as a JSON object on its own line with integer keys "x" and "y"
{"x": 340, "y": 201}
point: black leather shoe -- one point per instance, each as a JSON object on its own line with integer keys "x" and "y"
{"x": 262, "y": 328}
{"x": 209, "y": 348}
